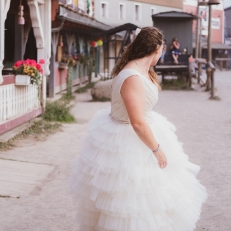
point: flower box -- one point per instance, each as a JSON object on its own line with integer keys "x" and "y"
{"x": 63, "y": 65}
{"x": 22, "y": 80}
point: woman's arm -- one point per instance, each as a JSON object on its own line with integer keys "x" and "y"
{"x": 132, "y": 92}
{"x": 177, "y": 45}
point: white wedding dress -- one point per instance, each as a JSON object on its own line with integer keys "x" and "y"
{"x": 116, "y": 182}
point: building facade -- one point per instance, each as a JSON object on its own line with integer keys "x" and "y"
{"x": 23, "y": 35}
{"x": 138, "y": 12}
{"x": 190, "y": 6}
{"x": 228, "y": 25}
{"x": 45, "y": 30}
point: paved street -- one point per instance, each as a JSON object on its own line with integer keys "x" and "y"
{"x": 38, "y": 199}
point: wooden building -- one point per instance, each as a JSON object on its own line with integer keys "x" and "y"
{"x": 72, "y": 31}
{"x": 176, "y": 25}
{"x": 19, "y": 104}
{"x": 48, "y": 25}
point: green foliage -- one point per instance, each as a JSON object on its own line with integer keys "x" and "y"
{"x": 70, "y": 60}
{"x": 103, "y": 99}
{"x": 38, "y": 128}
{"x": 58, "y": 111}
{"x": 174, "y": 84}
{"x": 69, "y": 81}
{"x": 67, "y": 98}
{"x": 82, "y": 58}
{"x": 85, "y": 88}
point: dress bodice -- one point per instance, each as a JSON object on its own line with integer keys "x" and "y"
{"x": 118, "y": 109}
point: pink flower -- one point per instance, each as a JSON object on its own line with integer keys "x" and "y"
{"x": 26, "y": 62}
{"x": 38, "y": 66}
{"x": 41, "y": 61}
{"x": 18, "y": 63}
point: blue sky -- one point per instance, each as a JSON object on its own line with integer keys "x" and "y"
{"x": 227, "y": 3}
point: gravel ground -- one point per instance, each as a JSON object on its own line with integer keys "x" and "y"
{"x": 204, "y": 126}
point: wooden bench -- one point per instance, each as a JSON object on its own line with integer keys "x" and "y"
{"x": 168, "y": 67}
{"x": 221, "y": 61}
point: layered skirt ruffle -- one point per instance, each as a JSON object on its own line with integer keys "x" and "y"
{"x": 117, "y": 184}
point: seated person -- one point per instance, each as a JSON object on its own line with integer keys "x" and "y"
{"x": 175, "y": 50}
{"x": 163, "y": 51}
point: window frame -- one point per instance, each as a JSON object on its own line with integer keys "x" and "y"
{"x": 106, "y": 9}
{"x": 124, "y": 11}
{"x": 139, "y": 13}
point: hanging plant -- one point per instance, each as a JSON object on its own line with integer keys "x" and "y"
{"x": 93, "y": 44}
{"x": 69, "y": 60}
{"x": 99, "y": 42}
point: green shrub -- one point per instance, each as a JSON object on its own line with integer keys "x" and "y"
{"x": 174, "y": 84}
{"x": 85, "y": 88}
{"x": 58, "y": 111}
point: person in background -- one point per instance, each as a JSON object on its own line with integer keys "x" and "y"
{"x": 175, "y": 50}
{"x": 163, "y": 51}
{"x": 192, "y": 65}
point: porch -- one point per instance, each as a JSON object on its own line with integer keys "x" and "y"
{"x": 26, "y": 39}
{"x": 52, "y": 31}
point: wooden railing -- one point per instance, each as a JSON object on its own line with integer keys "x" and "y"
{"x": 17, "y": 100}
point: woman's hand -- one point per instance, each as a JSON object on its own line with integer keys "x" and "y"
{"x": 133, "y": 94}
{"x": 161, "y": 158}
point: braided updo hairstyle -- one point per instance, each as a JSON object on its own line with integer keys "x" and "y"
{"x": 146, "y": 43}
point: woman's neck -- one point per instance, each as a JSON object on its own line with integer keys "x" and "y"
{"x": 143, "y": 65}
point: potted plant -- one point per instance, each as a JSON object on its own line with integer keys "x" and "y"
{"x": 28, "y": 72}
{"x": 28, "y": 69}
{"x": 67, "y": 60}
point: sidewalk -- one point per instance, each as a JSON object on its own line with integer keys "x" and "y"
{"x": 38, "y": 199}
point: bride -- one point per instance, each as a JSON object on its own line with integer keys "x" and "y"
{"x": 132, "y": 173}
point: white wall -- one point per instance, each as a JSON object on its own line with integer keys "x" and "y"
{"x": 112, "y": 18}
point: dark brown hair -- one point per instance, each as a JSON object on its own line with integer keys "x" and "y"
{"x": 145, "y": 44}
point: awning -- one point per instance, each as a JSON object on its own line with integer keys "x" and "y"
{"x": 215, "y": 46}
{"x": 77, "y": 17}
{"x": 174, "y": 15}
{"x": 119, "y": 29}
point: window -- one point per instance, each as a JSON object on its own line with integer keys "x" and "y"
{"x": 121, "y": 11}
{"x": 153, "y": 11}
{"x": 75, "y": 2}
{"x": 104, "y": 10}
{"x": 137, "y": 12}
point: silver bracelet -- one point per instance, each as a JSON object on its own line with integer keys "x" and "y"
{"x": 156, "y": 149}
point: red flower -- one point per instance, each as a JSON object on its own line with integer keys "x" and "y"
{"x": 18, "y": 63}
{"x": 41, "y": 61}
{"x": 38, "y": 66}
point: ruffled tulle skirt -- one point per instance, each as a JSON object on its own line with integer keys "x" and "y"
{"x": 117, "y": 184}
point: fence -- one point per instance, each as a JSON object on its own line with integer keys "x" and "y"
{"x": 17, "y": 101}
